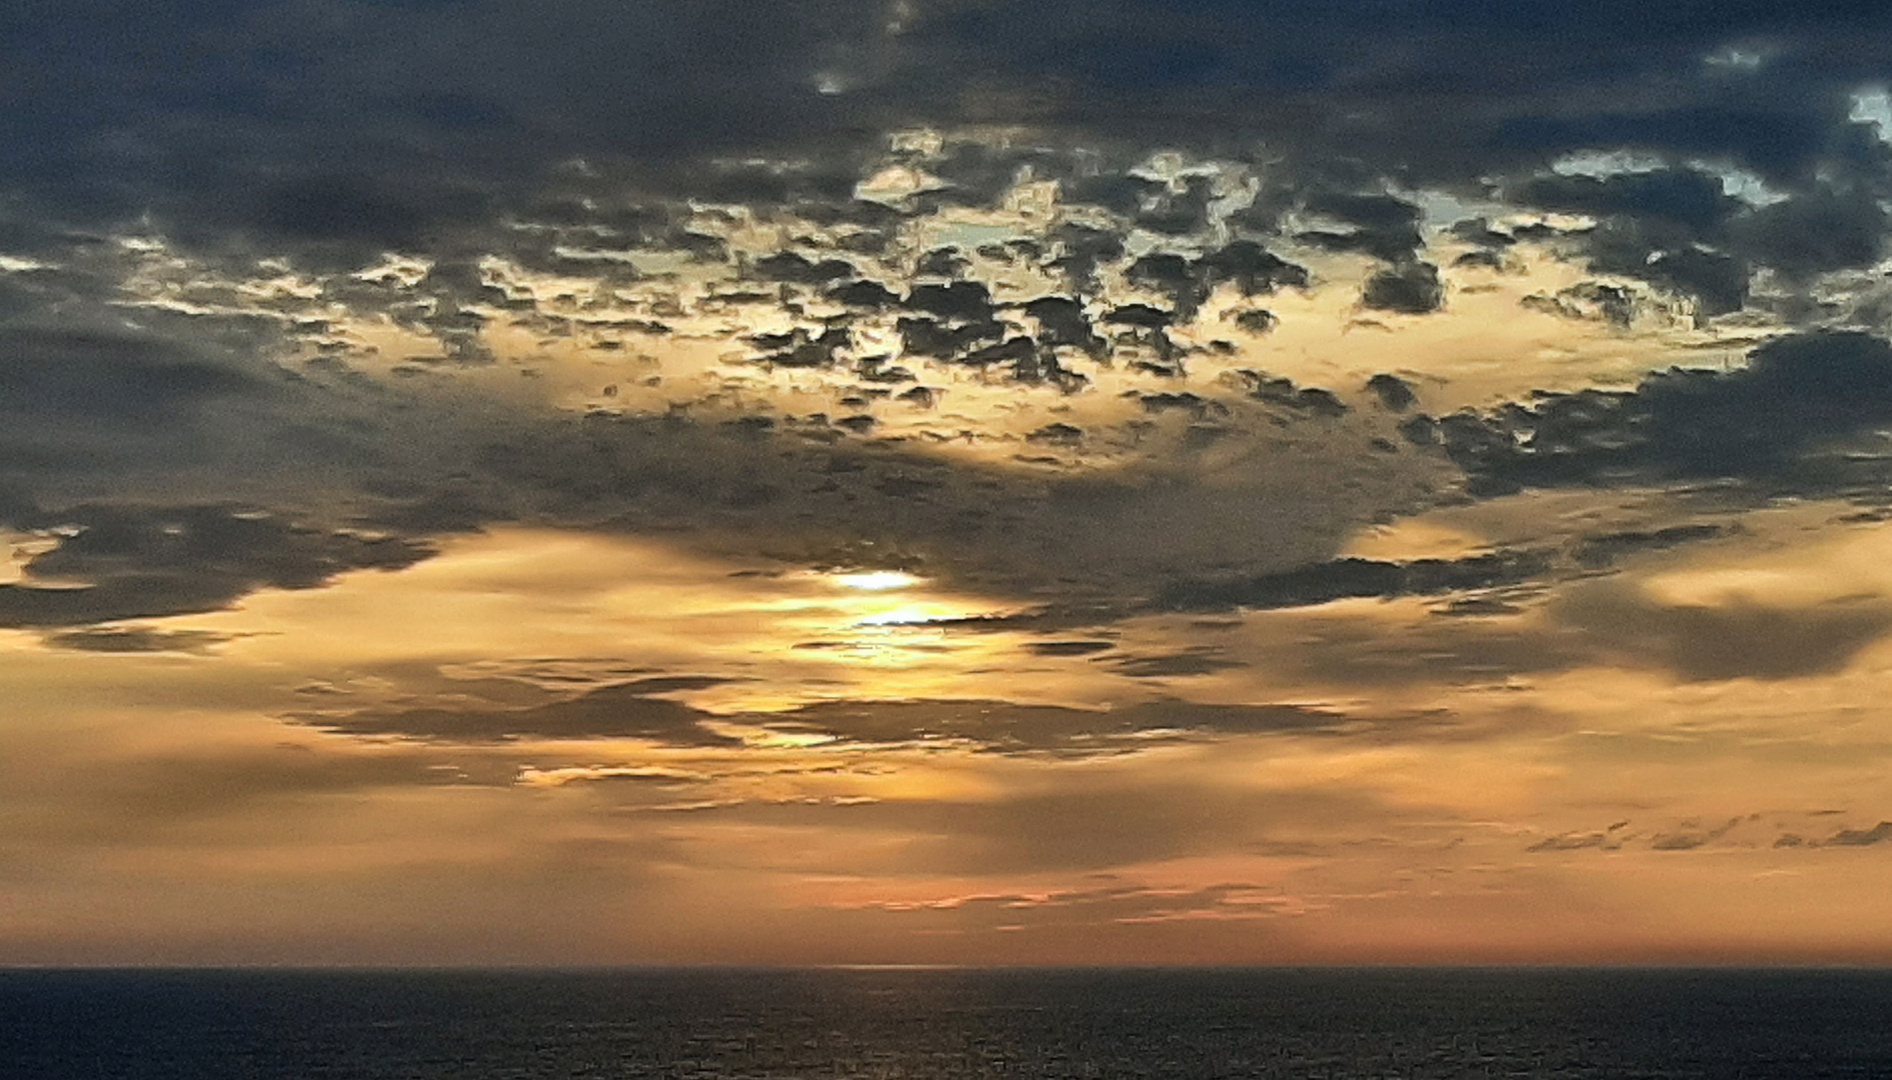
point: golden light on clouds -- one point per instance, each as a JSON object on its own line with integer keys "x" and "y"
{"x": 959, "y": 527}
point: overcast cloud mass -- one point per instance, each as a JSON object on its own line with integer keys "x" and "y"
{"x": 945, "y": 481}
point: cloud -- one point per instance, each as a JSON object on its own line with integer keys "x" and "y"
{"x": 1198, "y": 660}
{"x": 87, "y": 374}
{"x": 1411, "y": 289}
{"x": 1006, "y": 726}
{"x": 620, "y": 711}
{"x": 1733, "y": 640}
{"x": 1350, "y": 577}
{"x": 1764, "y": 422}
{"x": 1862, "y": 837}
{"x": 1693, "y": 200}
{"x": 1068, "y": 648}
{"x": 638, "y": 709}
{"x": 115, "y": 563}
{"x": 134, "y": 639}
{"x": 1578, "y": 841}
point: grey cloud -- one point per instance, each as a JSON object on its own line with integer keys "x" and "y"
{"x": 1343, "y": 652}
{"x": 1413, "y": 288}
{"x": 1380, "y": 225}
{"x": 1006, "y": 726}
{"x": 1691, "y": 836}
{"x": 620, "y": 711}
{"x": 1821, "y": 231}
{"x": 135, "y": 639}
{"x": 806, "y": 491}
{"x": 464, "y": 712}
{"x": 1862, "y": 837}
{"x": 1728, "y": 641}
{"x": 1613, "y": 304}
{"x": 1069, "y": 648}
{"x": 1688, "y": 198}
{"x": 89, "y": 374}
{"x": 1763, "y": 422}
{"x": 1393, "y": 392}
{"x": 1877, "y": 834}
{"x": 1193, "y": 661}
{"x": 1677, "y": 229}
{"x": 1602, "y": 550}
{"x": 340, "y": 126}
{"x": 114, "y": 563}
{"x": 1340, "y": 579}
{"x": 1578, "y": 842}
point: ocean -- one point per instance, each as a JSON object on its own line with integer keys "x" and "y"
{"x": 952, "y": 1024}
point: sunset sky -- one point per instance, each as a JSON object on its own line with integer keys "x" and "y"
{"x": 945, "y": 481}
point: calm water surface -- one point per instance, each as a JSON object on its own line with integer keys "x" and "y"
{"x": 945, "y": 1025}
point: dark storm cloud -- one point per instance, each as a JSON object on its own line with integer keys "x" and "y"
{"x": 345, "y": 128}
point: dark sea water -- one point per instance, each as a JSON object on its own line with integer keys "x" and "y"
{"x": 945, "y": 1025}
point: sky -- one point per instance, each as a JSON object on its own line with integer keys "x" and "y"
{"x": 945, "y": 482}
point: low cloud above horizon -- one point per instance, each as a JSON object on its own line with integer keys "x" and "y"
{"x": 945, "y": 481}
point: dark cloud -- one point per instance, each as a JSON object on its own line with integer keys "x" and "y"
{"x": 1193, "y": 661}
{"x": 1764, "y": 422}
{"x": 1348, "y": 578}
{"x": 1411, "y": 289}
{"x": 1879, "y": 833}
{"x": 122, "y": 639}
{"x": 1005, "y": 726}
{"x": 328, "y": 134}
{"x": 1597, "y": 552}
{"x": 637, "y": 709}
{"x": 1393, "y": 392}
{"x": 1817, "y": 232}
{"x": 1069, "y": 648}
{"x": 1685, "y": 197}
{"x": 1578, "y": 841}
{"x": 337, "y": 130}
{"x": 1378, "y": 225}
{"x": 114, "y": 563}
{"x": 619, "y": 711}
{"x": 1613, "y": 304}
{"x": 83, "y": 375}
{"x": 1728, "y": 641}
